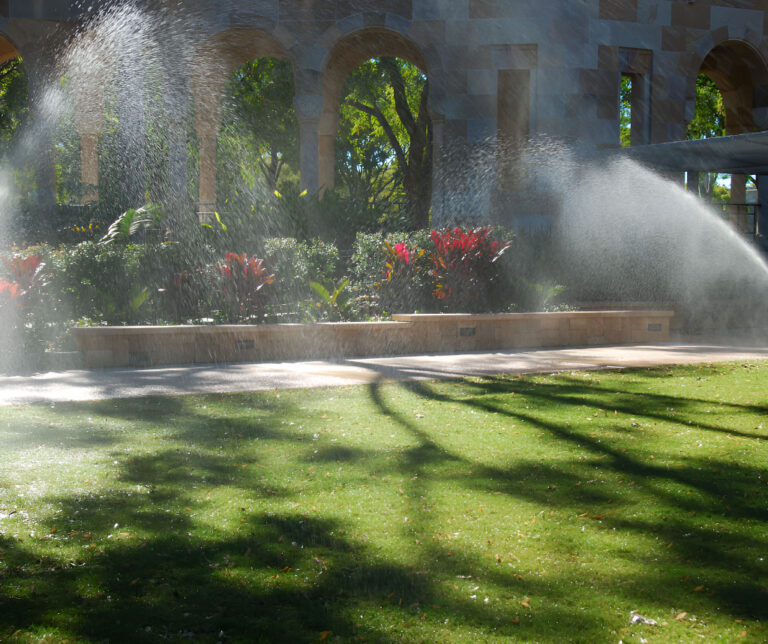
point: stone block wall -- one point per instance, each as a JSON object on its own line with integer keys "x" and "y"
{"x": 501, "y": 72}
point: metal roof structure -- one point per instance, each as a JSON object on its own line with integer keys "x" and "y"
{"x": 738, "y": 154}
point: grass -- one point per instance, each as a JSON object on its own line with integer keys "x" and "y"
{"x": 542, "y": 508}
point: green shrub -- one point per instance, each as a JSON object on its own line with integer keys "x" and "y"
{"x": 296, "y": 264}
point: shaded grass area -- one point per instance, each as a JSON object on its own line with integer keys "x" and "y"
{"x": 540, "y": 508}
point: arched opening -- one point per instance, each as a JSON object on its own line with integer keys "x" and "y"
{"x": 731, "y": 98}
{"x": 375, "y": 133}
{"x": 18, "y": 162}
{"x": 258, "y": 141}
{"x": 238, "y": 67}
{"x": 14, "y": 93}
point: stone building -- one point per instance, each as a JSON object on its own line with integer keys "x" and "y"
{"x": 501, "y": 72}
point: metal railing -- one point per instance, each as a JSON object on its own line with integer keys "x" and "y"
{"x": 743, "y": 216}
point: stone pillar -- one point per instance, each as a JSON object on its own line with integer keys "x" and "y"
{"x": 207, "y": 87}
{"x": 309, "y": 108}
{"x": 176, "y": 108}
{"x": 309, "y": 155}
{"x": 89, "y": 167}
{"x": 177, "y": 156}
{"x": 762, "y": 210}
{"x": 89, "y": 121}
{"x": 44, "y": 162}
{"x": 327, "y": 161}
{"x": 692, "y": 181}
{"x": 208, "y": 165}
{"x": 438, "y": 178}
{"x": 132, "y": 128}
{"x": 738, "y": 199}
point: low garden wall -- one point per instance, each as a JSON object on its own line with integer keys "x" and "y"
{"x": 144, "y": 346}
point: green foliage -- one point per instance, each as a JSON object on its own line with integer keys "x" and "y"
{"x": 384, "y": 146}
{"x": 131, "y": 223}
{"x": 540, "y": 508}
{"x": 709, "y": 115}
{"x": 334, "y": 300}
{"x": 537, "y": 296}
{"x": 14, "y": 101}
{"x": 99, "y": 282}
{"x": 625, "y": 111}
{"x": 259, "y": 123}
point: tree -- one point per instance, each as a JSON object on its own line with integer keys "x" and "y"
{"x": 385, "y": 138}
{"x": 709, "y": 117}
{"x": 14, "y": 100}
{"x": 260, "y": 114}
{"x": 625, "y": 111}
{"x": 708, "y": 122}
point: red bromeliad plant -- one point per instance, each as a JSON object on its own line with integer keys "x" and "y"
{"x": 396, "y": 290}
{"x": 25, "y": 270}
{"x": 464, "y": 268}
{"x": 242, "y": 279}
{"x": 27, "y": 277}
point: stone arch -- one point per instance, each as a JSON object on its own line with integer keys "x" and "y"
{"x": 8, "y": 49}
{"x": 739, "y": 70}
{"x": 343, "y": 58}
{"x": 221, "y": 56}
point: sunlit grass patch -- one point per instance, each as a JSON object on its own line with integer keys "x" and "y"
{"x": 578, "y": 506}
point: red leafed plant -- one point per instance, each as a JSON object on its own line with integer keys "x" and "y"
{"x": 9, "y": 290}
{"x": 398, "y": 289}
{"x": 25, "y": 270}
{"x": 464, "y": 268}
{"x": 242, "y": 278}
{"x": 26, "y": 273}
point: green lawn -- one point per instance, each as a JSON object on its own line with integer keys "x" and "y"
{"x": 543, "y": 508}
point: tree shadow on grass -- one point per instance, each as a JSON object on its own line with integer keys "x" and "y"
{"x": 280, "y": 578}
{"x": 716, "y": 507}
{"x": 288, "y": 576}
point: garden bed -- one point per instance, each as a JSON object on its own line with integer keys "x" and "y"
{"x": 145, "y": 346}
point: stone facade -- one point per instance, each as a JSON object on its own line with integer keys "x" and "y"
{"x": 500, "y": 71}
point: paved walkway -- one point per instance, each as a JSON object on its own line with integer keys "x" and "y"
{"x": 82, "y": 385}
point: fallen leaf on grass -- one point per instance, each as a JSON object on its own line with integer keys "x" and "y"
{"x": 681, "y": 616}
{"x": 698, "y": 589}
{"x": 324, "y": 635}
{"x": 526, "y": 603}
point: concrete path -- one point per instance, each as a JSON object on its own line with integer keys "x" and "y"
{"x": 83, "y": 385}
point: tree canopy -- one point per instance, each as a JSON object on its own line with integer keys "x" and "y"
{"x": 709, "y": 117}
{"x": 384, "y": 144}
{"x": 261, "y": 110}
{"x": 14, "y": 101}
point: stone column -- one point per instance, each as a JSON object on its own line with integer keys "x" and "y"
{"x": 762, "y": 211}
{"x": 692, "y": 181}
{"x": 44, "y": 161}
{"x": 207, "y": 88}
{"x": 176, "y": 108}
{"x": 89, "y": 167}
{"x": 132, "y": 128}
{"x": 309, "y": 108}
{"x": 89, "y": 121}
{"x": 738, "y": 199}
{"x": 327, "y": 161}
{"x": 438, "y": 178}
{"x": 207, "y": 139}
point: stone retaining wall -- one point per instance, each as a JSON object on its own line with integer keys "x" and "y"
{"x": 144, "y": 346}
